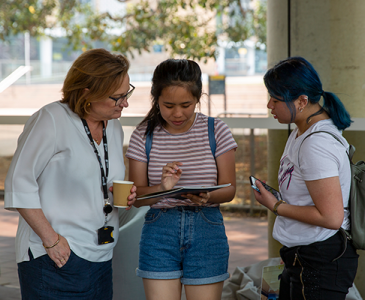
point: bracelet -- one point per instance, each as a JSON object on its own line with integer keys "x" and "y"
{"x": 275, "y": 209}
{"x": 55, "y": 244}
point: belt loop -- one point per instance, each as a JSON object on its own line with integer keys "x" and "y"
{"x": 31, "y": 257}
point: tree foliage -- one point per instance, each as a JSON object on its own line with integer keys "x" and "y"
{"x": 187, "y": 28}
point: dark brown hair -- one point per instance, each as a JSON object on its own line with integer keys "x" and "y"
{"x": 172, "y": 72}
{"x": 97, "y": 70}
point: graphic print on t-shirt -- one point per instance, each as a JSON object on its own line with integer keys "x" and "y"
{"x": 285, "y": 172}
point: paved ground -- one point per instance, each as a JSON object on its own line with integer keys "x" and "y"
{"x": 9, "y": 285}
{"x": 247, "y": 240}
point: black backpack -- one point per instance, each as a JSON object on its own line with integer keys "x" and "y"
{"x": 357, "y": 197}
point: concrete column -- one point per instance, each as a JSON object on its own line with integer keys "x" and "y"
{"x": 329, "y": 34}
{"x": 275, "y": 147}
{"x": 277, "y": 49}
{"x": 45, "y": 53}
{"x": 27, "y": 55}
{"x": 250, "y": 57}
{"x": 221, "y": 62}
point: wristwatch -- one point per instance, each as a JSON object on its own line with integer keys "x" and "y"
{"x": 275, "y": 209}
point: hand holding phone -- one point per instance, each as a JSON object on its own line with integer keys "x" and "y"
{"x": 267, "y": 187}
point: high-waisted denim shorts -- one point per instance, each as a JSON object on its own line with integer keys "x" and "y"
{"x": 186, "y": 242}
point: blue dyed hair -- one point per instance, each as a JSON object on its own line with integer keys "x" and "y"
{"x": 294, "y": 77}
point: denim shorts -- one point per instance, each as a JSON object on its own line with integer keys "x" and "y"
{"x": 185, "y": 242}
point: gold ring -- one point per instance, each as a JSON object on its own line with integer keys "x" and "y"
{"x": 62, "y": 259}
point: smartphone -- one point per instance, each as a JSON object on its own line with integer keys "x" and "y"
{"x": 267, "y": 187}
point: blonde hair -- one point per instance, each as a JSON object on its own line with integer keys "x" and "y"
{"x": 97, "y": 70}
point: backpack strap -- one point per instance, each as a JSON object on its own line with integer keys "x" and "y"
{"x": 212, "y": 141}
{"x": 148, "y": 145}
{"x": 350, "y": 151}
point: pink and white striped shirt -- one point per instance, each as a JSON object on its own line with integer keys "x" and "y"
{"x": 190, "y": 148}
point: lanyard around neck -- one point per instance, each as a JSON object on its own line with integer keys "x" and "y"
{"x": 104, "y": 175}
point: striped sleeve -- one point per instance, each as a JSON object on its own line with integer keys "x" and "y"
{"x": 223, "y": 137}
{"x": 136, "y": 149}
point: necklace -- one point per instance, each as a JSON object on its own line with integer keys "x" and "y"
{"x": 96, "y": 140}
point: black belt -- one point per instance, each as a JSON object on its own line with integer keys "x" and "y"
{"x": 184, "y": 208}
{"x": 189, "y": 207}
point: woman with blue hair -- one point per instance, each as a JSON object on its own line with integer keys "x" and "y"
{"x": 314, "y": 182}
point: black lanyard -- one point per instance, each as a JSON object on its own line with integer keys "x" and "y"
{"x": 104, "y": 176}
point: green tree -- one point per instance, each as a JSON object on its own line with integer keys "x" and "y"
{"x": 187, "y": 28}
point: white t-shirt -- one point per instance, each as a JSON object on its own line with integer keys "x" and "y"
{"x": 190, "y": 148}
{"x": 321, "y": 156}
{"x": 55, "y": 169}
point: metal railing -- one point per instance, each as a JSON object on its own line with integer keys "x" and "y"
{"x": 40, "y": 72}
{"x": 20, "y": 116}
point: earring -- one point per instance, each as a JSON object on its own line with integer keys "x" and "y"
{"x": 300, "y": 109}
{"x": 89, "y": 104}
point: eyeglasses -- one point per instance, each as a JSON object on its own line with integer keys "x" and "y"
{"x": 118, "y": 101}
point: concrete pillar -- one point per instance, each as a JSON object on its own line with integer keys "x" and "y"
{"x": 221, "y": 61}
{"x": 329, "y": 34}
{"x": 45, "y": 53}
{"x": 275, "y": 147}
{"x": 250, "y": 57}
{"x": 277, "y": 49}
{"x": 27, "y": 55}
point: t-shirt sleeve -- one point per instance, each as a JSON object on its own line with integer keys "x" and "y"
{"x": 319, "y": 157}
{"x": 136, "y": 149}
{"x": 223, "y": 137}
{"x": 36, "y": 146}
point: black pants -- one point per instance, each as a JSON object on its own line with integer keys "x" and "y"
{"x": 311, "y": 274}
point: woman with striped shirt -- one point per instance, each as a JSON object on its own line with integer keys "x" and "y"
{"x": 183, "y": 241}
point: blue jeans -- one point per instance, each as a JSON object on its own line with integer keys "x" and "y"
{"x": 78, "y": 279}
{"x": 185, "y": 242}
